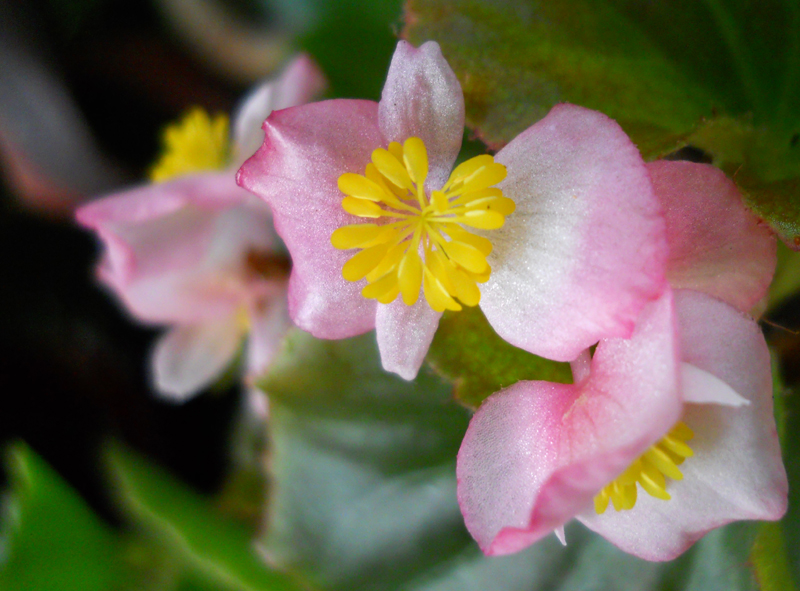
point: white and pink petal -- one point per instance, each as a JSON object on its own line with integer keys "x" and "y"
{"x": 537, "y": 453}
{"x": 404, "y": 334}
{"x": 736, "y": 471}
{"x": 422, "y": 98}
{"x": 585, "y": 249}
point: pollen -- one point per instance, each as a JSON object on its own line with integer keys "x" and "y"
{"x": 196, "y": 143}
{"x": 420, "y": 240}
{"x": 650, "y": 471}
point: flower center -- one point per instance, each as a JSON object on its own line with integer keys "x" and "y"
{"x": 196, "y": 143}
{"x": 660, "y": 461}
{"x": 421, "y": 240}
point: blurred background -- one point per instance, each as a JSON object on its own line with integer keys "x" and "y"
{"x": 86, "y": 87}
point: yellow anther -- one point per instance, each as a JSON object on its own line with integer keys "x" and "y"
{"x": 649, "y": 471}
{"x": 390, "y": 167}
{"x": 601, "y": 502}
{"x": 360, "y": 236}
{"x": 196, "y": 143}
{"x": 365, "y": 261}
{"x": 362, "y": 207}
{"x": 356, "y": 185}
{"x": 415, "y": 157}
{"x": 423, "y": 244}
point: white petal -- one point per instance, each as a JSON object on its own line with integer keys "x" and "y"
{"x": 701, "y": 387}
{"x": 188, "y": 358}
{"x": 422, "y": 98}
{"x": 404, "y": 335}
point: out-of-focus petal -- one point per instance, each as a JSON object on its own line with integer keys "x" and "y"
{"x": 404, "y": 335}
{"x": 585, "y": 249}
{"x": 188, "y": 358}
{"x": 157, "y": 227}
{"x": 422, "y": 98}
{"x": 536, "y": 454}
{"x": 182, "y": 259}
{"x": 716, "y": 244}
{"x": 305, "y": 151}
{"x": 736, "y": 470}
{"x": 300, "y": 82}
{"x": 268, "y": 326}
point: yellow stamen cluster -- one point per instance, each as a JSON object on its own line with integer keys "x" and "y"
{"x": 660, "y": 461}
{"x": 422, "y": 242}
{"x": 196, "y": 143}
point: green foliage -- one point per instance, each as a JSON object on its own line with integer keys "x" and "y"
{"x": 468, "y": 351}
{"x": 364, "y": 493}
{"x": 788, "y": 403}
{"x": 721, "y": 75}
{"x": 214, "y": 546}
{"x": 51, "y": 539}
{"x": 352, "y": 40}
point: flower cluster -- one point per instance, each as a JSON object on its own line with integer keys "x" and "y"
{"x": 195, "y": 252}
{"x": 641, "y": 275}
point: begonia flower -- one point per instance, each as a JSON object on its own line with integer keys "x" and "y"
{"x": 664, "y": 435}
{"x": 383, "y": 235}
{"x": 197, "y": 253}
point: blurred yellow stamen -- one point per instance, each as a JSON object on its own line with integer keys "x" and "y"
{"x": 196, "y": 143}
{"x": 649, "y": 470}
{"x": 452, "y": 259}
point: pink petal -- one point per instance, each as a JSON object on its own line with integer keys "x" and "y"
{"x": 296, "y": 171}
{"x": 736, "y": 470}
{"x": 422, "y": 98}
{"x": 189, "y": 266}
{"x": 585, "y": 249}
{"x": 268, "y": 326}
{"x": 159, "y": 226}
{"x": 536, "y": 454}
{"x": 716, "y": 244}
{"x": 300, "y": 82}
{"x": 404, "y": 335}
{"x": 188, "y": 358}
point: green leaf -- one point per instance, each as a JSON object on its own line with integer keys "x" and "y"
{"x": 468, "y": 351}
{"x": 788, "y": 403}
{"x": 185, "y": 522}
{"x": 364, "y": 493}
{"x": 722, "y": 75}
{"x": 353, "y": 41}
{"x": 51, "y": 539}
{"x": 786, "y": 281}
{"x": 770, "y": 560}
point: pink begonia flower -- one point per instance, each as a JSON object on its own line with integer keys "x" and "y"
{"x": 695, "y": 375}
{"x": 561, "y": 231}
{"x": 197, "y": 252}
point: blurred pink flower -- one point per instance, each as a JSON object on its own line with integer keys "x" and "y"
{"x": 693, "y": 383}
{"x": 567, "y": 248}
{"x": 198, "y": 253}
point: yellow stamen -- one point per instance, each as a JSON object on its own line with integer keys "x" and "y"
{"x": 423, "y": 242}
{"x": 649, "y": 470}
{"x": 196, "y": 143}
